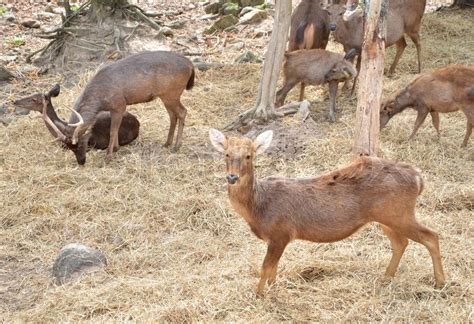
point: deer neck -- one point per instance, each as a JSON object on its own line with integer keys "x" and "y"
{"x": 242, "y": 197}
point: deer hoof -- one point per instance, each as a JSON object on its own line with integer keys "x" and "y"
{"x": 175, "y": 149}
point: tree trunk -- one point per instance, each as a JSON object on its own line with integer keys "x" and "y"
{"x": 265, "y": 104}
{"x": 371, "y": 79}
{"x": 104, "y": 8}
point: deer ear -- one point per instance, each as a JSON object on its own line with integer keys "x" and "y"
{"x": 262, "y": 142}
{"x": 218, "y": 140}
{"x": 54, "y": 92}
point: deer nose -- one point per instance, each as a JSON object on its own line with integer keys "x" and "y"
{"x": 332, "y": 27}
{"x": 232, "y": 178}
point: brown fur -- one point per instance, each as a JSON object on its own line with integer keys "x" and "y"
{"x": 328, "y": 208}
{"x": 442, "y": 91}
{"x": 315, "y": 67}
{"x": 404, "y": 17}
{"x": 100, "y": 131}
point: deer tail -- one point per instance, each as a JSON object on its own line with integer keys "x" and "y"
{"x": 190, "y": 84}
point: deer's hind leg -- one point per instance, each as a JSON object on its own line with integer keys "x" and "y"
{"x": 399, "y": 244}
{"x": 115, "y": 122}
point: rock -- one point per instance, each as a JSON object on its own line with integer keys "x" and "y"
{"x": 6, "y": 119}
{"x": 177, "y": 24}
{"x": 59, "y": 11}
{"x": 245, "y": 10}
{"x": 21, "y": 111}
{"x": 7, "y": 18}
{"x": 252, "y": 17}
{"x": 3, "y": 110}
{"x": 204, "y": 66}
{"x": 209, "y": 17}
{"x": 191, "y": 6}
{"x": 5, "y": 75}
{"x": 247, "y": 57}
{"x": 75, "y": 260}
{"x": 30, "y": 23}
{"x": 7, "y": 58}
{"x": 212, "y": 8}
{"x": 237, "y": 46}
{"x": 230, "y": 9}
{"x": 222, "y": 23}
{"x": 50, "y": 7}
{"x": 45, "y": 15}
{"x": 27, "y": 68}
{"x": 167, "y": 31}
{"x": 251, "y": 3}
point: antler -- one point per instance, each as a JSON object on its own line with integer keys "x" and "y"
{"x": 78, "y": 115}
{"x": 60, "y": 135}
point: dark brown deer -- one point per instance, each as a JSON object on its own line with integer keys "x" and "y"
{"x": 100, "y": 131}
{"x": 404, "y": 17}
{"x": 324, "y": 209}
{"x": 442, "y": 91}
{"x": 136, "y": 79}
{"x": 315, "y": 67}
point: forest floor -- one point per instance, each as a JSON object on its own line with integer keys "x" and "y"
{"x": 178, "y": 252}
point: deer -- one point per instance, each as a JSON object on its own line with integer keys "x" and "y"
{"x": 136, "y": 79}
{"x": 315, "y": 67}
{"x": 327, "y": 208}
{"x": 308, "y": 28}
{"x": 100, "y": 131}
{"x": 445, "y": 90}
{"x": 403, "y": 17}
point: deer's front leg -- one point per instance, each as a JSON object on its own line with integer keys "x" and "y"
{"x": 270, "y": 265}
{"x": 116, "y": 120}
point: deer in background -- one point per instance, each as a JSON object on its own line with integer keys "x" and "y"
{"x": 136, "y": 79}
{"x": 324, "y": 209}
{"x": 315, "y": 67}
{"x": 403, "y": 17}
{"x": 100, "y": 131}
{"x": 442, "y": 91}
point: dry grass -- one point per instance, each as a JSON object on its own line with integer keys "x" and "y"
{"x": 176, "y": 250}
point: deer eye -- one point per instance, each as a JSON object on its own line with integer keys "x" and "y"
{"x": 248, "y": 157}
{"x": 227, "y": 155}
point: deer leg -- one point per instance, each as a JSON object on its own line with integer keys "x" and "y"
{"x": 399, "y": 244}
{"x": 401, "y": 44}
{"x": 420, "y": 118}
{"x": 173, "y": 120}
{"x": 332, "y": 100}
{"x": 416, "y": 40}
{"x": 116, "y": 120}
{"x": 302, "y": 91}
{"x": 435, "y": 120}
{"x": 281, "y": 94}
{"x": 181, "y": 118}
{"x": 359, "y": 59}
{"x": 270, "y": 265}
{"x": 469, "y": 127}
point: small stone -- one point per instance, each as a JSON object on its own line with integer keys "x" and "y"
{"x": 21, "y": 111}
{"x": 167, "y": 31}
{"x": 191, "y": 6}
{"x": 30, "y": 23}
{"x": 212, "y": 8}
{"x": 5, "y": 75}
{"x": 8, "y": 17}
{"x": 45, "y": 15}
{"x": 75, "y": 260}
{"x": 222, "y": 23}
{"x": 178, "y": 24}
{"x": 27, "y": 68}
{"x": 237, "y": 46}
{"x": 245, "y": 10}
{"x": 59, "y": 11}
{"x": 248, "y": 57}
{"x": 252, "y": 17}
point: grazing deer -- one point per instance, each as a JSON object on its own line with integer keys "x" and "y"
{"x": 100, "y": 131}
{"x": 315, "y": 67}
{"x": 328, "y": 208}
{"x": 442, "y": 91}
{"x": 403, "y": 17}
{"x": 136, "y": 79}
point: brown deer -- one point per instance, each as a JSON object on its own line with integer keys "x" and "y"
{"x": 100, "y": 131}
{"x": 404, "y": 17}
{"x": 308, "y": 28}
{"x": 324, "y": 209}
{"x": 442, "y": 91}
{"x": 136, "y": 79}
{"x": 315, "y": 67}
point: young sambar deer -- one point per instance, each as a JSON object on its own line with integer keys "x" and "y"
{"x": 442, "y": 91}
{"x": 100, "y": 131}
{"x": 136, "y": 79}
{"x": 328, "y": 208}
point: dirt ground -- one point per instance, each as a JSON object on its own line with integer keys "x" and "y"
{"x": 176, "y": 250}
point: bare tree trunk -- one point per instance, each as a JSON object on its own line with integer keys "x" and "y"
{"x": 265, "y": 105}
{"x": 367, "y": 126}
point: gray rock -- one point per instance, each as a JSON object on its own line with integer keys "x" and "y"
{"x": 167, "y": 31}
{"x": 245, "y": 10}
{"x": 222, "y": 23}
{"x": 7, "y": 58}
{"x": 7, "y": 18}
{"x": 237, "y": 46}
{"x": 31, "y": 23}
{"x": 252, "y": 17}
{"x": 204, "y": 66}
{"x": 45, "y": 15}
{"x": 5, "y": 75}
{"x": 27, "y": 68}
{"x": 212, "y": 8}
{"x": 3, "y": 110}
{"x": 75, "y": 260}
{"x": 251, "y": 3}
{"x": 248, "y": 57}
{"x": 21, "y": 111}
{"x": 177, "y": 24}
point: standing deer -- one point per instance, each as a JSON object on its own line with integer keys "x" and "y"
{"x": 100, "y": 131}
{"x": 403, "y": 17}
{"x": 325, "y": 209}
{"x": 136, "y": 79}
{"x": 442, "y": 91}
